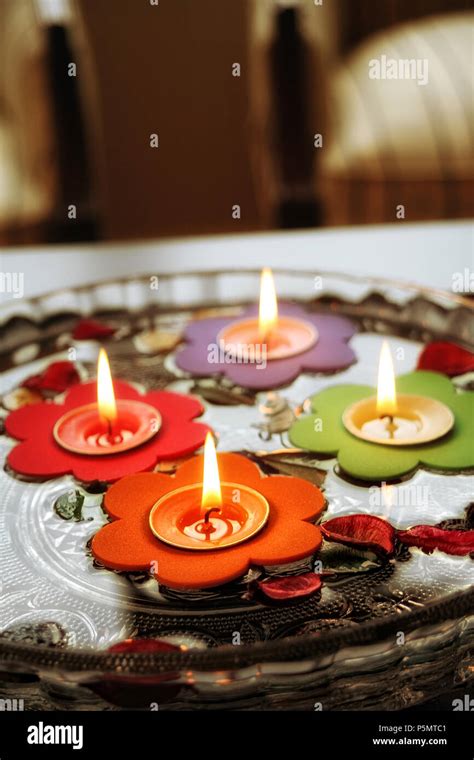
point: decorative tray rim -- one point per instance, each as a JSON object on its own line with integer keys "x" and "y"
{"x": 459, "y": 604}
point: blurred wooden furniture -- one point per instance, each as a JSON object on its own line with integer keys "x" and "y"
{"x": 395, "y": 149}
{"x": 28, "y": 175}
{"x": 168, "y": 70}
{"x": 76, "y": 149}
{"x": 45, "y": 189}
{"x": 234, "y": 153}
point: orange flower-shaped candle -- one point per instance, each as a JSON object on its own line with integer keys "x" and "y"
{"x": 268, "y": 519}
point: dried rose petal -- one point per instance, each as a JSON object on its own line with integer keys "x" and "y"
{"x": 143, "y": 645}
{"x": 451, "y": 360}
{"x": 362, "y": 531}
{"x": 139, "y": 691}
{"x": 91, "y": 329}
{"x": 57, "y": 377}
{"x": 429, "y": 538}
{"x": 290, "y": 586}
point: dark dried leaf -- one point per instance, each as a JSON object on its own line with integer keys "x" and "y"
{"x": 337, "y": 559}
{"x": 69, "y": 505}
{"x": 216, "y": 393}
{"x": 290, "y": 466}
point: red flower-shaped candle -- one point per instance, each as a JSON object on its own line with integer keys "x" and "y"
{"x": 103, "y": 431}
{"x": 197, "y": 530}
{"x": 266, "y": 348}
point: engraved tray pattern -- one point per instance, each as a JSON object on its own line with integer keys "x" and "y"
{"x": 59, "y": 613}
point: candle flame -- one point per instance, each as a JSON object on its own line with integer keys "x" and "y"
{"x": 268, "y": 310}
{"x": 211, "y": 485}
{"x": 386, "y": 391}
{"x": 105, "y": 389}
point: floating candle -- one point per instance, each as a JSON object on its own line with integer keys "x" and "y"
{"x": 393, "y": 419}
{"x": 211, "y": 515}
{"x": 128, "y": 542}
{"x": 109, "y": 426}
{"x": 276, "y": 336}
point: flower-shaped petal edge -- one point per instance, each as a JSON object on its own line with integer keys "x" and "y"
{"x": 330, "y": 353}
{"x": 324, "y": 431}
{"x": 40, "y": 456}
{"x": 128, "y": 543}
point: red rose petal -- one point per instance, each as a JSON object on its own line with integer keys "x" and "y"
{"x": 451, "y": 360}
{"x": 361, "y": 531}
{"x": 91, "y": 329}
{"x": 143, "y": 645}
{"x": 429, "y": 538}
{"x": 291, "y": 586}
{"x": 58, "y": 377}
{"x": 139, "y": 691}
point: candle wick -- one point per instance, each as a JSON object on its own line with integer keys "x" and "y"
{"x": 112, "y": 437}
{"x": 391, "y": 426}
{"x": 206, "y": 526}
{"x": 209, "y": 513}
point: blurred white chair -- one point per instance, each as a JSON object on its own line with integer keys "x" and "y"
{"x": 28, "y": 161}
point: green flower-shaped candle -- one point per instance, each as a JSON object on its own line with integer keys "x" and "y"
{"x": 325, "y": 431}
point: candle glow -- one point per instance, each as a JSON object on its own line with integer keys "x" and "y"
{"x": 268, "y": 306}
{"x": 396, "y": 420}
{"x": 211, "y": 484}
{"x": 386, "y": 390}
{"x": 105, "y": 390}
{"x": 277, "y": 336}
{"x": 207, "y": 515}
{"x": 128, "y": 423}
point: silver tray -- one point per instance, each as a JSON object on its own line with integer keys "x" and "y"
{"x": 59, "y": 612}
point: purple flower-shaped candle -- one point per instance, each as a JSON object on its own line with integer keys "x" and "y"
{"x": 266, "y": 353}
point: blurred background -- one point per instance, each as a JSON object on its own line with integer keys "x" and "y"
{"x": 127, "y": 119}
